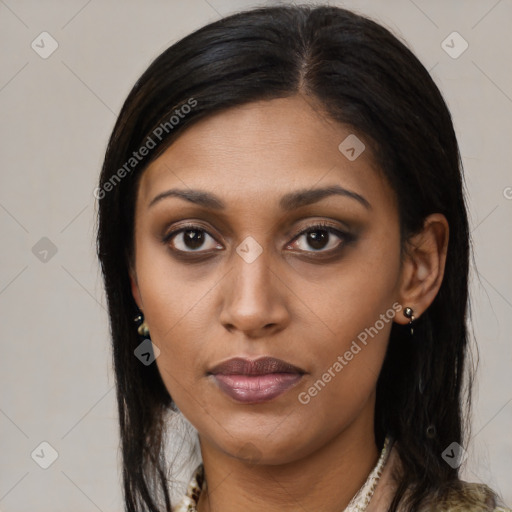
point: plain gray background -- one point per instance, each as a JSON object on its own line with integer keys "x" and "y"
{"x": 56, "y": 115}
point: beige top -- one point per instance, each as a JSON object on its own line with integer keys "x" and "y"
{"x": 473, "y": 498}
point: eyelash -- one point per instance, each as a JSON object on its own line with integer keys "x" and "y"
{"x": 319, "y": 226}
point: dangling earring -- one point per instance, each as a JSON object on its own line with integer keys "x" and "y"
{"x": 143, "y": 328}
{"x": 409, "y": 313}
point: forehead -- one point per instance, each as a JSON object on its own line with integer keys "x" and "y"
{"x": 265, "y": 149}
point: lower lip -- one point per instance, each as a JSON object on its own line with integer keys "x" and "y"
{"x": 256, "y": 388}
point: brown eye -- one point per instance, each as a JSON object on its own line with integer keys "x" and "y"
{"x": 320, "y": 238}
{"x": 191, "y": 239}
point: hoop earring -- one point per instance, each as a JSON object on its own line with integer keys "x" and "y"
{"x": 409, "y": 313}
{"x": 142, "y": 328}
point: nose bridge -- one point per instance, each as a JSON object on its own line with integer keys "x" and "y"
{"x": 251, "y": 298}
{"x": 251, "y": 276}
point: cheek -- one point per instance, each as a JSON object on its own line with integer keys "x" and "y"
{"x": 348, "y": 359}
{"x": 352, "y": 297}
{"x": 170, "y": 290}
{"x": 174, "y": 298}
{"x": 357, "y": 308}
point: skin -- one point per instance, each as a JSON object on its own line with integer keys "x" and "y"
{"x": 293, "y": 302}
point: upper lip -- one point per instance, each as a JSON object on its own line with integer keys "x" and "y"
{"x": 261, "y": 366}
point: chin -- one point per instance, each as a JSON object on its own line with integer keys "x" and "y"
{"x": 262, "y": 451}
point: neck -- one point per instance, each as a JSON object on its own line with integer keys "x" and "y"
{"x": 324, "y": 480}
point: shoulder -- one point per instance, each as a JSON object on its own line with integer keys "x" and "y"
{"x": 466, "y": 497}
{"x": 456, "y": 496}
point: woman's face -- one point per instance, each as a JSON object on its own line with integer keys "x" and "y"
{"x": 245, "y": 279}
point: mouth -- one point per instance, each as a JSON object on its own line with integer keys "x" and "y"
{"x": 255, "y": 381}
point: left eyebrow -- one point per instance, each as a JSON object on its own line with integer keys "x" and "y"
{"x": 288, "y": 202}
{"x": 309, "y": 196}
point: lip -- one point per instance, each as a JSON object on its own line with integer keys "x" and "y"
{"x": 255, "y": 381}
{"x": 260, "y": 366}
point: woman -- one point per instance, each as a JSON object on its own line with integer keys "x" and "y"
{"x": 281, "y": 210}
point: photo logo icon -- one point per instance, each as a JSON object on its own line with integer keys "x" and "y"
{"x": 147, "y": 352}
{"x": 352, "y": 147}
{"x": 250, "y": 453}
{"x": 454, "y": 455}
{"x": 454, "y": 45}
{"x": 44, "y": 45}
{"x": 44, "y": 250}
{"x": 44, "y": 455}
{"x": 249, "y": 249}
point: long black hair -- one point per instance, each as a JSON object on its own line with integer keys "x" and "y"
{"x": 361, "y": 75}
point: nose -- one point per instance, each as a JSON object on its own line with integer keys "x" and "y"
{"x": 254, "y": 298}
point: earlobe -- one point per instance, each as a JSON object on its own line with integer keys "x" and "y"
{"x": 423, "y": 269}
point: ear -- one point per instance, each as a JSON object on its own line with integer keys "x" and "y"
{"x": 423, "y": 267}
{"x": 135, "y": 287}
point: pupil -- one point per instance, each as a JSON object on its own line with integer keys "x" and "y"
{"x": 318, "y": 241}
{"x": 193, "y": 238}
